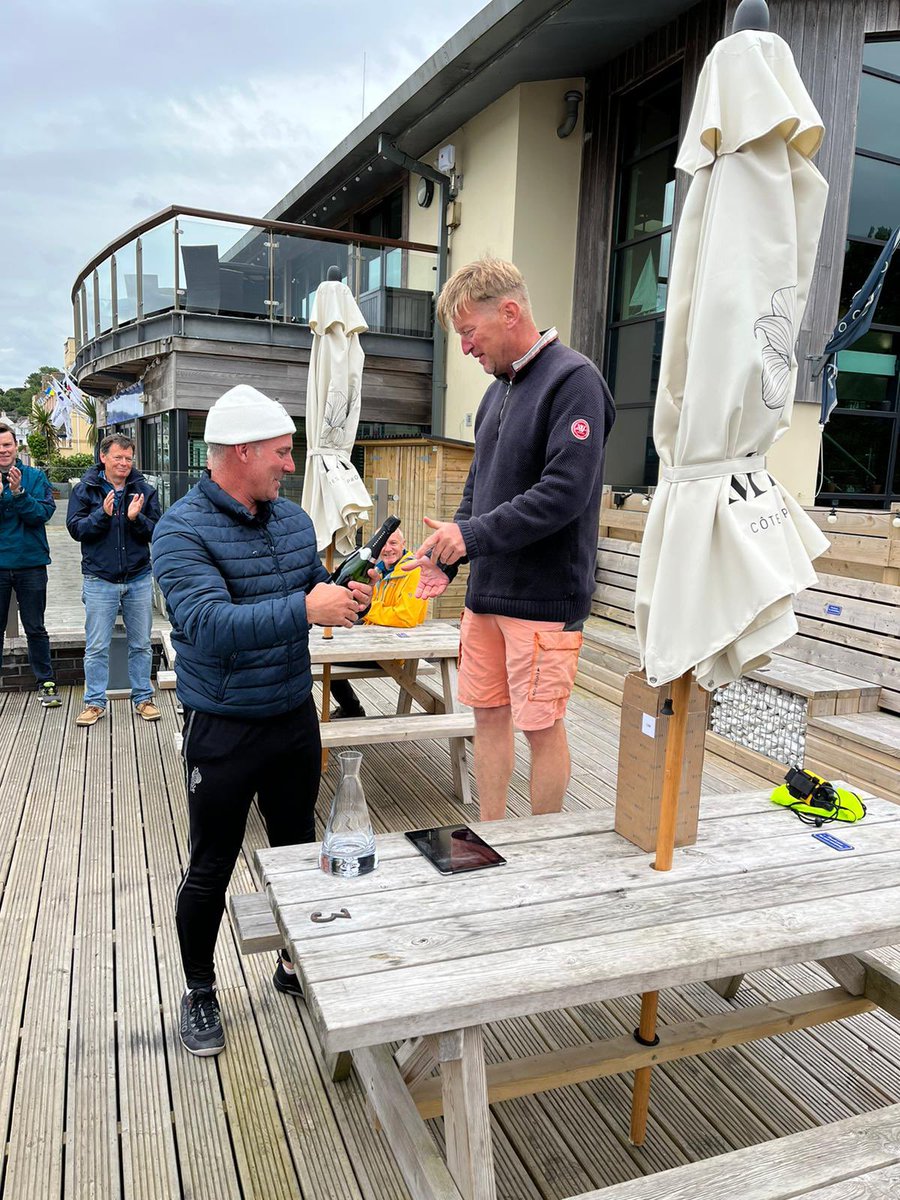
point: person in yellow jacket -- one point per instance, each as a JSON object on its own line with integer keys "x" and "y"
{"x": 394, "y": 603}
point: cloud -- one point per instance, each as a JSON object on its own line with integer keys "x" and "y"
{"x": 128, "y": 108}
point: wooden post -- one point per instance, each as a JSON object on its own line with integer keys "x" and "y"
{"x": 640, "y": 1097}
{"x": 665, "y": 848}
{"x": 327, "y": 632}
{"x": 668, "y": 810}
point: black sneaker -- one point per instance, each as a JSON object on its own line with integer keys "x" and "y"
{"x": 48, "y": 695}
{"x": 201, "y": 1026}
{"x": 339, "y": 714}
{"x": 285, "y": 982}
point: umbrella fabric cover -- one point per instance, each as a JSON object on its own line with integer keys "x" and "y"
{"x": 725, "y": 548}
{"x": 333, "y": 493}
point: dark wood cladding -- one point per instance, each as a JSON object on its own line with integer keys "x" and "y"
{"x": 826, "y": 37}
{"x": 687, "y": 40}
{"x": 193, "y": 377}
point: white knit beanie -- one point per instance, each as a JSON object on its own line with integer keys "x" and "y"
{"x": 245, "y": 415}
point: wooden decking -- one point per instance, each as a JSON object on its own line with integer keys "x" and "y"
{"x": 97, "y": 1099}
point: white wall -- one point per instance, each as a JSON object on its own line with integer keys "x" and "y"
{"x": 794, "y": 459}
{"x": 518, "y": 200}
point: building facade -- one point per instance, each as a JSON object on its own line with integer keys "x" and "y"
{"x": 545, "y": 133}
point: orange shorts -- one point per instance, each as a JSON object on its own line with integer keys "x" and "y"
{"x": 529, "y": 665}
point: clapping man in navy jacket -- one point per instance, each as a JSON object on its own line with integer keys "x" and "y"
{"x": 527, "y": 525}
{"x": 26, "y": 505}
{"x": 238, "y": 566}
{"x": 113, "y": 513}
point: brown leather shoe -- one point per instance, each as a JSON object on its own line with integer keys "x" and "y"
{"x": 147, "y": 710}
{"x": 91, "y": 715}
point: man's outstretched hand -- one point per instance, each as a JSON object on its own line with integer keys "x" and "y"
{"x": 432, "y": 582}
{"x": 445, "y": 545}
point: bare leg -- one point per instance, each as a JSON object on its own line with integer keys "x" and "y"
{"x": 550, "y": 767}
{"x": 494, "y": 756}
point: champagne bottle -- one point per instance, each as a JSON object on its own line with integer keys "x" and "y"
{"x": 355, "y": 566}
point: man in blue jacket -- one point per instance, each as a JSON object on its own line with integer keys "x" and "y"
{"x": 238, "y": 567}
{"x": 113, "y": 513}
{"x": 26, "y": 505}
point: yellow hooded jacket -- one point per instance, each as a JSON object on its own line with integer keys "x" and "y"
{"x": 394, "y": 600}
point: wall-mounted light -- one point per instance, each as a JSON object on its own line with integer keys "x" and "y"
{"x": 832, "y": 516}
{"x": 895, "y": 520}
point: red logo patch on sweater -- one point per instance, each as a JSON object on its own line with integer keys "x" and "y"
{"x": 581, "y": 429}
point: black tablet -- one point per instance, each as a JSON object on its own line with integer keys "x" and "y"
{"x": 454, "y": 849}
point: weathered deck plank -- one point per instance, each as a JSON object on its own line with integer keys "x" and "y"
{"x": 34, "y": 1162}
{"x": 26, "y": 856}
{"x": 149, "y": 1156}
{"x": 92, "y": 1141}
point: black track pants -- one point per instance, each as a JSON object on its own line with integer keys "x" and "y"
{"x": 227, "y": 762}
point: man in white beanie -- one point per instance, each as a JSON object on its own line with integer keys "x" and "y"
{"x": 238, "y": 567}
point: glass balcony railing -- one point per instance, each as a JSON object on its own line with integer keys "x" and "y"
{"x": 217, "y": 264}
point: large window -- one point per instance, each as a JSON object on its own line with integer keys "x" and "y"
{"x": 155, "y": 457}
{"x": 645, "y": 204}
{"x": 861, "y": 463}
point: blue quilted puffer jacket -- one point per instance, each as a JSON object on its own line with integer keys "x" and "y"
{"x": 235, "y": 588}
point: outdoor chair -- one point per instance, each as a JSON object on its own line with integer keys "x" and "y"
{"x": 201, "y": 274}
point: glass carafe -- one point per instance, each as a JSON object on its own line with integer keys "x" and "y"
{"x": 348, "y": 847}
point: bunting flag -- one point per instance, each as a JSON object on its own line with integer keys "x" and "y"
{"x": 76, "y": 395}
{"x": 62, "y": 397}
{"x": 855, "y": 322}
{"x": 59, "y": 405}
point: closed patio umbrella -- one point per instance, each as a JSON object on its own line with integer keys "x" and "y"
{"x": 725, "y": 547}
{"x": 333, "y": 493}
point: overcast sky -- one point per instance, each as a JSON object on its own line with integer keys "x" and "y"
{"x": 113, "y": 109}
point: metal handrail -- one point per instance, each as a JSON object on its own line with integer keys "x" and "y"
{"x": 313, "y": 232}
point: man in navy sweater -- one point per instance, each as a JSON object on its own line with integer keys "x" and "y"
{"x": 527, "y": 525}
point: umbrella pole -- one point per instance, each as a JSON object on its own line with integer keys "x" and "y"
{"x": 665, "y": 846}
{"x": 327, "y": 632}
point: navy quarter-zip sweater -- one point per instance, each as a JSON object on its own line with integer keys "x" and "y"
{"x": 530, "y": 510}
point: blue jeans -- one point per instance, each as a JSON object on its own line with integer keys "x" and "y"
{"x": 30, "y": 586}
{"x": 102, "y": 603}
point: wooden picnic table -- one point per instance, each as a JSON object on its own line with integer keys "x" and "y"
{"x": 399, "y": 654}
{"x": 578, "y": 915}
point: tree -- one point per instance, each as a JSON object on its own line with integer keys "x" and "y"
{"x": 19, "y": 401}
{"x": 89, "y": 410}
{"x": 42, "y": 423}
{"x": 38, "y": 449}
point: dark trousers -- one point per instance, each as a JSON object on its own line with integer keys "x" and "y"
{"x": 342, "y": 690}
{"x": 227, "y": 761}
{"x": 30, "y": 587}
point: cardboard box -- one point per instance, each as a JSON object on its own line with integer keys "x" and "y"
{"x": 642, "y": 755}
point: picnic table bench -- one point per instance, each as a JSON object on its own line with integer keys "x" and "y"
{"x": 854, "y": 1159}
{"x": 576, "y": 916}
{"x": 844, "y": 664}
{"x": 399, "y": 654}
